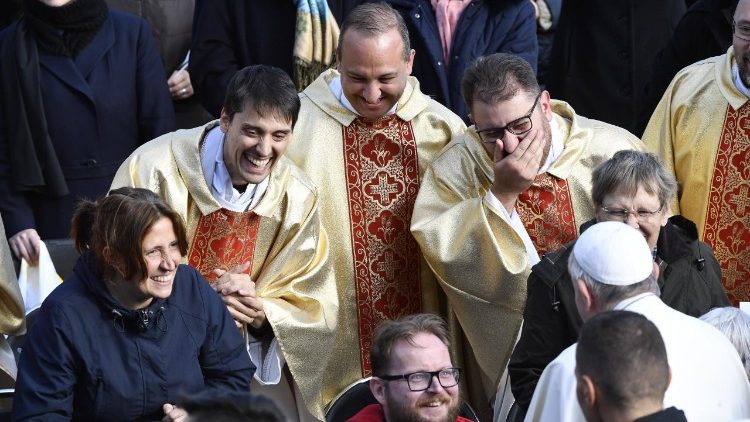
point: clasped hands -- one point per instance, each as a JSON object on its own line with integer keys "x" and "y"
{"x": 237, "y": 291}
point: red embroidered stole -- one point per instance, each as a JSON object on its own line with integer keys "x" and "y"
{"x": 546, "y": 210}
{"x": 382, "y": 176}
{"x": 223, "y": 239}
{"x": 728, "y": 210}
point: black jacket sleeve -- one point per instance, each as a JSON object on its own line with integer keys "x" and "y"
{"x": 551, "y": 324}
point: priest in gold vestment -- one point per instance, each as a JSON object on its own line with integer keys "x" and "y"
{"x": 701, "y": 130}
{"x": 515, "y": 185}
{"x": 365, "y": 136}
{"x": 252, "y": 218}
{"x": 11, "y": 312}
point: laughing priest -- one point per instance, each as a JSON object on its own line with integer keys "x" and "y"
{"x": 254, "y": 231}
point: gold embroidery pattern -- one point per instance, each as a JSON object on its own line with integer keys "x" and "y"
{"x": 223, "y": 239}
{"x": 382, "y": 175}
{"x": 546, "y": 210}
{"x": 728, "y": 210}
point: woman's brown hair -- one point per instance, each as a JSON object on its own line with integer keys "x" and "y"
{"x": 112, "y": 230}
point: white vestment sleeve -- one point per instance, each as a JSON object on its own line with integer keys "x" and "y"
{"x": 555, "y": 395}
{"x": 515, "y": 222}
{"x": 268, "y": 359}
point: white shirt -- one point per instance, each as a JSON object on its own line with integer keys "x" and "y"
{"x": 708, "y": 379}
{"x": 218, "y": 180}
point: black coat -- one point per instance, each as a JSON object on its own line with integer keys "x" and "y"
{"x": 604, "y": 52}
{"x": 99, "y": 107}
{"x": 229, "y": 35}
{"x": 689, "y": 278}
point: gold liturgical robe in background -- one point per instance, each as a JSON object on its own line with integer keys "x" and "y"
{"x": 480, "y": 260}
{"x": 12, "y": 315}
{"x": 368, "y": 176}
{"x": 701, "y": 131}
{"x": 290, "y": 257}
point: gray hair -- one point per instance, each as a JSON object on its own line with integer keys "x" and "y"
{"x": 498, "y": 77}
{"x": 735, "y": 325}
{"x": 374, "y": 19}
{"x": 607, "y": 295}
{"x": 630, "y": 170}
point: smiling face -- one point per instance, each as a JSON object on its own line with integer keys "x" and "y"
{"x": 621, "y": 199}
{"x": 253, "y": 143}
{"x": 437, "y": 403}
{"x": 161, "y": 254}
{"x": 503, "y": 113}
{"x": 373, "y": 71}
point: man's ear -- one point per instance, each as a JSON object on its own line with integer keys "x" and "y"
{"x": 377, "y": 387}
{"x": 587, "y": 299}
{"x": 224, "y": 121}
{"x": 587, "y": 393}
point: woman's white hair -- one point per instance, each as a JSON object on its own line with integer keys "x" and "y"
{"x": 735, "y": 324}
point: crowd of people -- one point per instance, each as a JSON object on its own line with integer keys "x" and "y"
{"x": 293, "y": 199}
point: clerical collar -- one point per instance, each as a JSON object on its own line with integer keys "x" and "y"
{"x": 338, "y": 92}
{"x": 217, "y": 176}
{"x": 738, "y": 82}
{"x": 556, "y": 146}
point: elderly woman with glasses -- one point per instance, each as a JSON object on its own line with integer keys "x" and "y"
{"x": 132, "y": 329}
{"x": 632, "y": 187}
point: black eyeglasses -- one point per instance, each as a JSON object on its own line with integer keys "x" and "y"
{"x": 623, "y": 214}
{"x": 420, "y": 381}
{"x": 517, "y": 127}
{"x": 741, "y": 31}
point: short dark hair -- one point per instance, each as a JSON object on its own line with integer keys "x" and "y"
{"x": 405, "y": 328}
{"x": 630, "y": 169}
{"x": 269, "y": 90}
{"x": 375, "y": 19}
{"x": 119, "y": 222}
{"x": 498, "y": 77}
{"x": 625, "y": 357}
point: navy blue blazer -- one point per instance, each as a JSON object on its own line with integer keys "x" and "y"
{"x": 99, "y": 107}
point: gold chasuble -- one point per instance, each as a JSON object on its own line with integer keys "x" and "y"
{"x": 701, "y": 131}
{"x": 12, "y": 313}
{"x": 480, "y": 260}
{"x": 282, "y": 238}
{"x": 368, "y": 175}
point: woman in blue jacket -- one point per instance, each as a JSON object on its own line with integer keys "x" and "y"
{"x": 131, "y": 329}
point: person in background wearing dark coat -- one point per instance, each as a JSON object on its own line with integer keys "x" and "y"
{"x": 448, "y": 35}
{"x": 297, "y": 36}
{"x": 80, "y": 88}
{"x": 132, "y": 328}
{"x": 704, "y": 31}
{"x": 171, "y": 23}
{"x": 603, "y": 55}
{"x": 635, "y": 188}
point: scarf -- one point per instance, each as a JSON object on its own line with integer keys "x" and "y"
{"x": 447, "y": 13}
{"x": 315, "y": 40}
{"x": 33, "y": 161}
{"x": 65, "y": 30}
